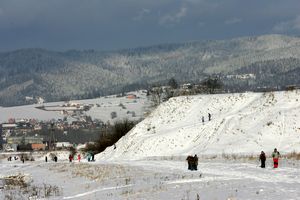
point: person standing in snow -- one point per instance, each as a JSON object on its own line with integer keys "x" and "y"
{"x": 78, "y": 157}
{"x": 209, "y": 116}
{"x": 195, "y": 162}
{"x": 275, "y": 156}
{"x": 70, "y": 158}
{"x": 189, "y": 159}
{"x": 22, "y": 159}
{"x": 203, "y": 119}
{"x": 262, "y": 159}
{"x": 46, "y": 159}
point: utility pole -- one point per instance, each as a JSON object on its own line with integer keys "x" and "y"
{"x": 52, "y": 137}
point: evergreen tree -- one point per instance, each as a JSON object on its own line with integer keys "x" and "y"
{"x": 173, "y": 83}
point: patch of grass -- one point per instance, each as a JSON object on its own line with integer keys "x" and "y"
{"x": 293, "y": 155}
{"x": 19, "y": 187}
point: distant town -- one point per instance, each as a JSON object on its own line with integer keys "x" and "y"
{"x": 30, "y": 134}
{"x": 75, "y": 128}
{"x": 22, "y": 134}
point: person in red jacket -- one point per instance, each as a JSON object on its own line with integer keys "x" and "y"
{"x": 78, "y": 157}
{"x": 275, "y": 156}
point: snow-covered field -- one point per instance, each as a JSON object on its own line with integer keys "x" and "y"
{"x": 102, "y": 109}
{"x": 149, "y": 162}
{"x": 158, "y": 179}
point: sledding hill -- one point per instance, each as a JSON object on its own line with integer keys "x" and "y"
{"x": 241, "y": 123}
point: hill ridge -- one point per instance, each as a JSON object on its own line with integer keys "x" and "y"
{"x": 56, "y": 76}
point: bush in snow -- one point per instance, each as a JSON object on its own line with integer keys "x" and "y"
{"x": 114, "y": 133}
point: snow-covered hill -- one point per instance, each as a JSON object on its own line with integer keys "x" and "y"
{"x": 87, "y": 74}
{"x": 243, "y": 123}
{"x": 102, "y": 108}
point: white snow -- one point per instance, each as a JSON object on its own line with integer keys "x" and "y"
{"x": 106, "y": 104}
{"x": 160, "y": 179}
{"x": 245, "y": 123}
{"x": 149, "y": 162}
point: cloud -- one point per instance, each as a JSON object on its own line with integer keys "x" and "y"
{"x": 170, "y": 19}
{"x": 114, "y": 24}
{"x": 141, "y": 14}
{"x": 233, "y": 21}
{"x": 296, "y": 25}
{"x": 288, "y": 26}
{"x": 201, "y": 24}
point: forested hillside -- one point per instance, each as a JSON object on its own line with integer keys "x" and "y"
{"x": 272, "y": 61}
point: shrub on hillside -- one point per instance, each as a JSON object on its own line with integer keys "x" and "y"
{"x": 118, "y": 130}
{"x": 113, "y": 115}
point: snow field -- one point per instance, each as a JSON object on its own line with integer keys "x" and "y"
{"x": 217, "y": 179}
{"x": 102, "y": 109}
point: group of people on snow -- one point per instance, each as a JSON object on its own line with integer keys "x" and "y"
{"x": 275, "y": 156}
{"x": 193, "y": 160}
{"x": 209, "y": 118}
{"x": 22, "y": 159}
{"x": 90, "y": 157}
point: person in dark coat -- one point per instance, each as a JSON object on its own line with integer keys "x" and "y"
{"x": 195, "y": 167}
{"x": 46, "y": 159}
{"x": 262, "y": 159}
{"x": 209, "y": 116}
{"x": 22, "y": 159}
{"x": 190, "y": 159}
{"x": 192, "y": 162}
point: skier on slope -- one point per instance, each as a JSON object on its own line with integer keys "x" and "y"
{"x": 262, "y": 159}
{"x": 275, "y": 156}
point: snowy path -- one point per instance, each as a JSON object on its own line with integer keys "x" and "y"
{"x": 162, "y": 179}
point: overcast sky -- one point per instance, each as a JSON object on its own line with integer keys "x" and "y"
{"x": 118, "y": 24}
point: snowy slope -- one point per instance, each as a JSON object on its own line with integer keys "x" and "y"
{"x": 102, "y": 109}
{"x": 241, "y": 123}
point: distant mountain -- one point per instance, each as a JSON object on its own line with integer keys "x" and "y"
{"x": 242, "y": 63}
